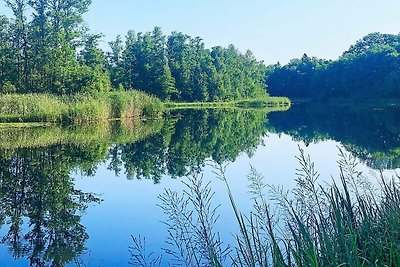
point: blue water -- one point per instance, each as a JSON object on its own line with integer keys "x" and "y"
{"x": 131, "y": 206}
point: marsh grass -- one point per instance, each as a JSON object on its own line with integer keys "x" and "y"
{"x": 352, "y": 222}
{"x": 192, "y": 239}
{"x": 31, "y": 108}
{"x": 77, "y": 108}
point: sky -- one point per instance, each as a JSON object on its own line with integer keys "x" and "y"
{"x": 275, "y": 30}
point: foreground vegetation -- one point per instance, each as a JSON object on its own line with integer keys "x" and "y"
{"x": 77, "y": 108}
{"x": 353, "y": 222}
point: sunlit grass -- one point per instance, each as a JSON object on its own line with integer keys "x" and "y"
{"x": 77, "y": 108}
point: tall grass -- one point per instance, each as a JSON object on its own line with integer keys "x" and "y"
{"x": 77, "y": 108}
{"x": 31, "y": 107}
{"x": 353, "y": 222}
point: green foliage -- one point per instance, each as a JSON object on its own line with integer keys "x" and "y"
{"x": 369, "y": 69}
{"x": 51, "y": 52}
{"x": 147, "y": 64}
{"x": 84, "y": 79}
{"x": 40, "y": 54}
{"x": 8, "y": 88}
{"x": 180, "y": 68}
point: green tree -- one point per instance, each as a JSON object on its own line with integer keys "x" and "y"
{"x": 8, "y": 73}
{"x": 18, "y": 34}
{"x": 115, "y": 62}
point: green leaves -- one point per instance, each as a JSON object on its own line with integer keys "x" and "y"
{"x": 180, "y": 68}
{"x": 368, "y": 69}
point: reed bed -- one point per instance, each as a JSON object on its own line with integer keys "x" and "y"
{"x": 77, "y": 108}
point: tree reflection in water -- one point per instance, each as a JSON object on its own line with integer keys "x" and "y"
{"x": 40, "y": 205}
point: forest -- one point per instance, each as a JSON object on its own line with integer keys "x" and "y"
{"x": 369, "y": 69}
{"x": 45, "y": 48}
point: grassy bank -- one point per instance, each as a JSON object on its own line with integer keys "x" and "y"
{"x": 256, "y": 102}
{"x": 77, "y": 108}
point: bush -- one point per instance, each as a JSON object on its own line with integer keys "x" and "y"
{"x": 8, "y": 88}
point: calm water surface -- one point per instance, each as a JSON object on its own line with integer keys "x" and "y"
{"x": 75, "y": 195}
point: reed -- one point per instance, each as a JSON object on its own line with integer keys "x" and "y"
{"x": 350, "y": 223}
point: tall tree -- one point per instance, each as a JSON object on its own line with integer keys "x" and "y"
{"x": 8, "y": 73}
{"x": 18, "y": 32}
{"x": 148, "y": 64}
{"x": 115, "y": 62}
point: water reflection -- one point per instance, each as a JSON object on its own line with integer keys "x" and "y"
{"x": 371, "y": 134}
{"x": 40, "y": 206}
{"x": 187, "y": 139}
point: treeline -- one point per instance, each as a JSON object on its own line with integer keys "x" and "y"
{"x": 368, "y": 69}
{"x": 45, "y": 48}
{"x": 180, "y": 68}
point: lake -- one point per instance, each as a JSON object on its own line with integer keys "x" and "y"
{"x": 75, "y": 195}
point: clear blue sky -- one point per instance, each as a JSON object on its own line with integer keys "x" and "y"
{"x": 275, "y": 30}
